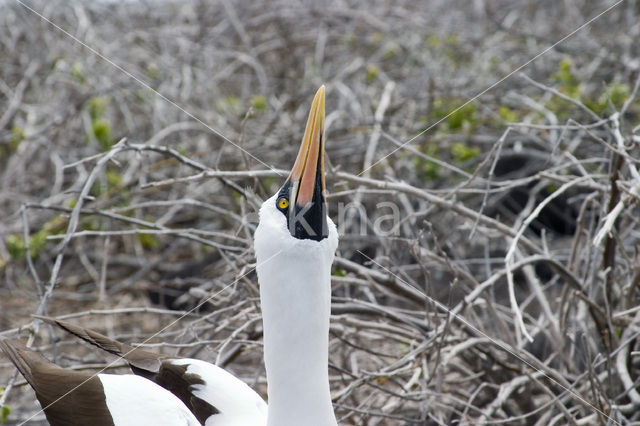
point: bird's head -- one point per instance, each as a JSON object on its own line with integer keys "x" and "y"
{"x": 302, "y": 198}
{"x": 294, "y": 220}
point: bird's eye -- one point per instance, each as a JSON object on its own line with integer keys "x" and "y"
{"x": 283, "y": 203}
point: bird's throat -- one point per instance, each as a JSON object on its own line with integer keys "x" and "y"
{"x": 296, "y": 304}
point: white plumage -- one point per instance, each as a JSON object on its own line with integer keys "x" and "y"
{"x": 134, "y": 401}
{"x": 295, "y": 296}
{"x": 237, "y": 402}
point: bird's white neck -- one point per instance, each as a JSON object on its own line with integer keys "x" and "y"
{"x": 295, "y": 295}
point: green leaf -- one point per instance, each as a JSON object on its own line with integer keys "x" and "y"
{"x": 461, "y": 116}
{"x": 4, "y": 413}
{"x": 98, "y": 106}
{"x": 338, "y": 272}
{"x": 433, "y": 40}
{"x": 229, "y": 105}
{"x": 462, "y": 152}
{"x": 148, "y": 241}
{"x": 17, "y": 136}
{"x": 507, "y": 114}
{"x": 15, "y": 246}
{"x": 77, "y": 72}
{"x": 259, "y": 103}
{"x": 427, "y": 170}
{"x": 372, "y": 72}
{"x": 569, "y": 83}
{"x": 113, "y": 178}
{"x": 102, "y": 132}
{"x": 456, "y": 114}
{"x": 37, "y": 241}
{"x": 616, "y": 94}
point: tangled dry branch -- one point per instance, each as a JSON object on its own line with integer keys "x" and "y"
{"x": 488, "y": 271}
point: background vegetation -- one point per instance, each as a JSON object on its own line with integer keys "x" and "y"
{"x": 518, "y": 211}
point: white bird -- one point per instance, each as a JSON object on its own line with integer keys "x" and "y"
{"x": 295, "y": 243}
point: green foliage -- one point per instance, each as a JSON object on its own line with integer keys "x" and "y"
{"x": 229, "y": 105}
{"x": 450, "y": 48}
{"x": 183, "y": 149}
{"x": 372, "y": 72}
{"x": 338, "y": 272}
{"x": 462, "y": 118}
{"x": 4, "y": 409}
{"x": 17, "y": 136}
{"x": 15, "y": 246}
{"x": 100, "y": 126}
{"x": 569, "y": 83}
{"x": 615, "y": 94}
{"x": 427, "y": 170}
{"x": 455, "y": 117}
{"x": 98, "y": 106}
{"x": 433, "y": 40}
{"x": 148, "y": 241}
{"x": 4, "y": 413}
{"x": 37, "y": 241}
{"x": 142, "y": 94}
{"x": 618, "y": 331}
{"x": 462, "y": 152}
{"x": 91, "y": 223}
{"x": 17, "y": 249}
{"x": 114, "y": 178}
{"x": 102, "y": 132}
{"x": 391, "y": 51}
{"x": 452, "y": 40}
{"x": 77, "y": 72}
{"x": 259, "y": 103}
{"x": 111, "y": 187}
{"x": 507, "y": 114}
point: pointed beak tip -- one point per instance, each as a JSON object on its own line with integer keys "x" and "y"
{"x": 307, "y": 166}
{"x": 318, "y": 101}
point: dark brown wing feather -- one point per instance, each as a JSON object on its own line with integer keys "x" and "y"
{"x": 69, "y": 398}
{"x": 155, "y": 367}
{"x": 175, "y": 379}
{"x": 143, "y": 363}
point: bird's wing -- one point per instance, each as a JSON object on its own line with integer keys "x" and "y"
{"x": 143, "y": 363}
{"x": 67, "y": 397}
{"x": 205, "y": 389}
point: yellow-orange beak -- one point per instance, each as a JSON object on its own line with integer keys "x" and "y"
{"x": 309, "y": 165}
{"x": 302, "y": 198}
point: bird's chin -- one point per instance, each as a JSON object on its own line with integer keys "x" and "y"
{"x": 272, "y": 235}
